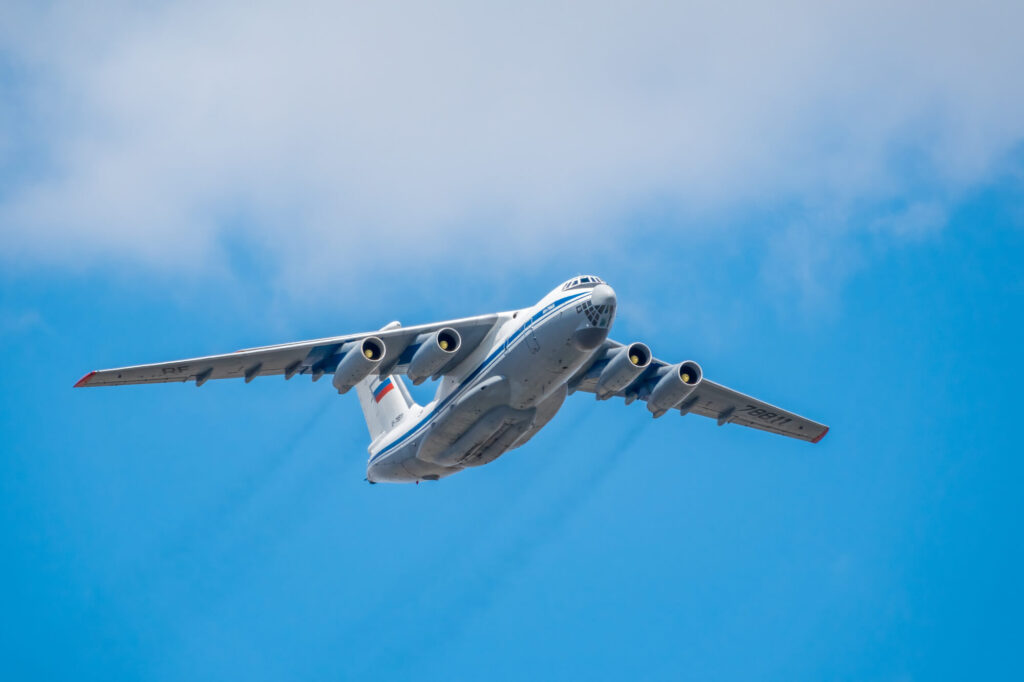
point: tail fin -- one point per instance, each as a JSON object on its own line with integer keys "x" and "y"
{"x": 385, "y": 402}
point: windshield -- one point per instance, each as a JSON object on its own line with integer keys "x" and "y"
{"x": 580, "y": 282}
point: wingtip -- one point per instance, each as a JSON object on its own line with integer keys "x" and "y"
{"x": 85, "y": 380}
{"x": 820, "y": 436}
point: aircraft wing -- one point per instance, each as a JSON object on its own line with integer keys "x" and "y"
{"x": 316, "y": 357}
{"x": 709, "y": 399}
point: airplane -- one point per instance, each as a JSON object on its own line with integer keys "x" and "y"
{"x": 502, "y": 377}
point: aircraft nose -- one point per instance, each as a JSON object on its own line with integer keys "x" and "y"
{"x": 602, "y": 294}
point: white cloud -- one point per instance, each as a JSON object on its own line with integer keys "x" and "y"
{"x": 327, "y": 135}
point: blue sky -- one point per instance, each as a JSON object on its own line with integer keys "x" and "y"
{"x": 828, "y": 215}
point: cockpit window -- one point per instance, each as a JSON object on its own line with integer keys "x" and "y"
{"x": 580, "y": 282}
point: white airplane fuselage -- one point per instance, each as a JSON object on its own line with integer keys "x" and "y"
{"x": 503, "y": 393}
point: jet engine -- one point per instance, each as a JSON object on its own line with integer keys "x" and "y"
{"x": 624, "y": 367}
{"x": 434, "y": 353}
{"x": 358, "y": 362}
{"x": 673, "y": 388}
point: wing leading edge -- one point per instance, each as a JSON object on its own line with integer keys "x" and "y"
{"x": 709, "y": 399}
{"x": 316, "y": 357}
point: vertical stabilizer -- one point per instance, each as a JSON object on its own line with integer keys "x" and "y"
{"x": 386, "y": 402}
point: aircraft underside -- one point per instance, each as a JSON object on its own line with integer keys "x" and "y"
{"x": 501, "y": 377}
{"x": 495, "y": 413}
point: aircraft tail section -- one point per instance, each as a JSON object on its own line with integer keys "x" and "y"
{"x": 386, "y": 402}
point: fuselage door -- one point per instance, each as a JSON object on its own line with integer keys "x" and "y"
{"x": 529, "y": 338}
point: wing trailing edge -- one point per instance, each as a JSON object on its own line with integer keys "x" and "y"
{"x": 708, "y": 399}
{"x": 316, "y": 357}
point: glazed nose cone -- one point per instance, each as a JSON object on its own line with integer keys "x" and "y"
{"x": 602, "y": 294}
{"x": 593, "y": 328}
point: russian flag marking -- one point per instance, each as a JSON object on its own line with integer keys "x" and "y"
{"x": 382, "y": 389}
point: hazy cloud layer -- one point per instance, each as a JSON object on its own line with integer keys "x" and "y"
{"x": 327, "y": 136}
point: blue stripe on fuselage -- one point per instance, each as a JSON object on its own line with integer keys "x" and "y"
{"x": 545, "y": 312}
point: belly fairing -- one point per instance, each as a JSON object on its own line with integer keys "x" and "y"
{"x": 545, "y": 413}
{"x": 486, "y": 439}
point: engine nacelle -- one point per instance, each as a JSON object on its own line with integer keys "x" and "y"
{"x": 358, "y": 363}
{"x": 624, "y": 367}
{"x": 436, "y": 351}
{"x": 673, "y": 388}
